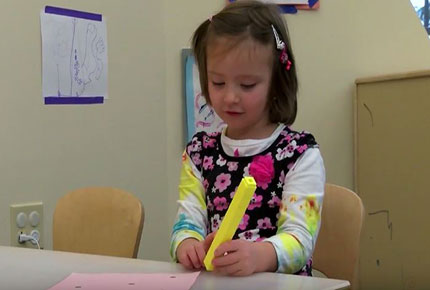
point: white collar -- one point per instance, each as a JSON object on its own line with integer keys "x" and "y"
{"x": 248, "y": 147}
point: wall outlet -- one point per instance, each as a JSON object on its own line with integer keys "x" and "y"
{"x": 26, "y": 218}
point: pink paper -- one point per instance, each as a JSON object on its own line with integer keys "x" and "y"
{"x": 129, "y": 281}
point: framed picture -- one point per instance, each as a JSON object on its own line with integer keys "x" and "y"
{"x": 199, "y": 116}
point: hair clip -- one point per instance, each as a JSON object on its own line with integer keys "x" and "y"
{"x": 280, "y": 45}
{"x": 284, "y": 59}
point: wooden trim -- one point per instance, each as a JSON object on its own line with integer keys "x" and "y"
{"x": 390, "y": 77}
{"x": 139, "y": 233}
{"x": 355, "y": 141}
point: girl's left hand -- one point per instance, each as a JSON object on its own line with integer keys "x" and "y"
{"x": 236, "y": 258}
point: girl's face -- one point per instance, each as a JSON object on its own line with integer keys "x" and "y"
{"x": 239, "y": 78}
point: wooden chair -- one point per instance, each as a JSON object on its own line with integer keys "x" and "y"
{"x": 337, "y": 248}
{"x": 98, "y": 220}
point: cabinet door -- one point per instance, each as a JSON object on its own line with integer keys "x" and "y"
{"x": 393, "y": 180}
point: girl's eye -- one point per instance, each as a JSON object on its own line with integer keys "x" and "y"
{"x": 247, "y": 86}
{"x": 218, "y": 83}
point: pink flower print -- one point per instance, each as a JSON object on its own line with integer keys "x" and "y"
{"x": 232, "y": 166}
{"x": 244, "y": 222}
{"x": 208, "y": 142}
{"x": 262, "y": 170}
{"x": 248, "y": 235}
{"x": 236, "y": 152}
{"x": 256, "y": 201}
{"x": 210, "y": 206}
{"x": 251, "y": 235}
{"x": 246, "y": 170}
{"x": 281, "y": 153}
{"x": 196, "y": 159}
{"x": 222, "y": 181}
{"x": 264, "y": 223}
{"x": 214, "y": 134}
{"x": 215, "y": 222}
{"x": 221, "y": 161}
{"x": 287, "y": 138}
{"x": 287, "y": 151}
{"x": 205, "y": 184}
{"x": 195, "y": 145}
{"x": 220, "y": 203}
{"x": 275, "y": 201}
{"x": 232, "y": 194}
{"x": 208, "y": 163}
{"x": 284, "y": 133}
{"x": 302, "y": 149}
{"x": 281, "y": 179}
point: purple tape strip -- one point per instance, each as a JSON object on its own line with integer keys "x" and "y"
{"x": 312, "y": 3}
{"x": 73, "y": 13}
{"x": 73, "y": 100}
{"x": 287, "y": 8}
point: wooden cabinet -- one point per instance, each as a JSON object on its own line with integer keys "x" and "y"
{"x": 392, "y": 177}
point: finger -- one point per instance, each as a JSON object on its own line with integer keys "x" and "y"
{"x": 201, "y": 253}
{"x": 226, "y": 247}
{"x": 192, "y": 255}
{"x": 185, "y": 261}
{"x": 226, "y": 260}
{"x": 208, "y": 241}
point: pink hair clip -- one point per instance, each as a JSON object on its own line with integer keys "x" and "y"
{"x": 284, "y": 59}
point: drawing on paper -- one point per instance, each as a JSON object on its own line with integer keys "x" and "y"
{"x": 80, "y": 58}
{"x": 74, "y": 57}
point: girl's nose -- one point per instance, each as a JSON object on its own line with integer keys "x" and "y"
{"x": 231, "y": 96}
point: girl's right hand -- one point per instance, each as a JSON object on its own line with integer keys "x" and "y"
{"x": 191, "y": 252}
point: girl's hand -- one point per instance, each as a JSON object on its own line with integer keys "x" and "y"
{"x": 242, "y": 258}
{"x": 192, "y": 252}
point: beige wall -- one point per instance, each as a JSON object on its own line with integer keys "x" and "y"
{"x": 135, "y": 140}
{"x": 46, "y": 151}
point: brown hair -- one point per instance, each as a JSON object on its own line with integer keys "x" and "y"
{"x": 253, "y": 19}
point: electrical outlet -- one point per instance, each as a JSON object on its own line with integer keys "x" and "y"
{"x": 26, "y": 218}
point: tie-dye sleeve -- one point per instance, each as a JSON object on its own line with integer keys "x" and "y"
{"x": 191, "y": 220}
{"x": 300, "y": 212}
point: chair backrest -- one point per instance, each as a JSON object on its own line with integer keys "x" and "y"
{"x": 337, "y": 248}
{"x": 98, "y": 220}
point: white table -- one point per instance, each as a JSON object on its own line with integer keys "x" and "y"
{"x": 33, "y": 269}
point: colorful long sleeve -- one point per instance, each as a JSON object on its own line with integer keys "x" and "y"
{"x": 191, "y": 220}
{"x": 300, "y": 213}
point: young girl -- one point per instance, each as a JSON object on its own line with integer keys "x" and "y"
{"x": 248, "y": 75}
